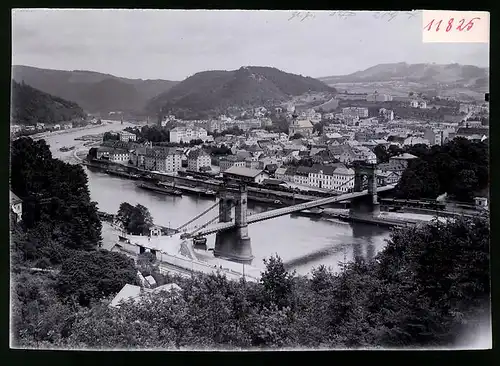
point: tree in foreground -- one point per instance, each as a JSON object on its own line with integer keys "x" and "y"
{"x": 425, "y": 289}
{"x": 136, "y": 220}
{"x": 87, "y": 276}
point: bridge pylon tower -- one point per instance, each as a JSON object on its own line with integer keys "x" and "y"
{"x": 234, "y": 243}
{"x": 368, "y": 205}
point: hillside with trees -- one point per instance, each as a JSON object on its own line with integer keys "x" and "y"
{"x": 95, "y": 92}
{"x": 57, "y": 211}
{"x": 459, "y": 168}
{"x": 30, "y": 106}
{"x": 428, "y": 287}
{"x": 213, "y": 92}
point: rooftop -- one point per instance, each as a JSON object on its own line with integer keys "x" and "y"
{"x": 14, "y": 199}
{"x": 132, "y": 292}
{"x": 195, "y": 154}
{"x": 244, "y": 172}
{"x": 405, "y": 156}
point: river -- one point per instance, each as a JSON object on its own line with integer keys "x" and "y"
{"x": 303, "y": 243}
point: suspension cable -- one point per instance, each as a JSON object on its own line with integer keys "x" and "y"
{"x": 209, "y": 222}
{"x": 197, "y": 216}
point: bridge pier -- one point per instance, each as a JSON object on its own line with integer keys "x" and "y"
{"x": 366, "y": 205}
{"x": 234, "y": 244}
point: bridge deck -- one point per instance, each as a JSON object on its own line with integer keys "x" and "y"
{"x": 290, "y": 209}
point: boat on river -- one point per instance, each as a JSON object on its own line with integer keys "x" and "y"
{"x": 313, "y": 212}
{"x": 66, "y": 148}
{"x": 160, "y": 189}
{"x": 122, "y": 174}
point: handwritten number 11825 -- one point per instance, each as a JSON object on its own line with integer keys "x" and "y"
{"x": 449, "y": 26}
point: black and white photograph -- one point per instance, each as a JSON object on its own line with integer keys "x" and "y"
{"x": 261, "y": 180}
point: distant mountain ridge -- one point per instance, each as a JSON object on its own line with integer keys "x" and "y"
{"x": 214, "y": 91}
{"x": 466, "y": 75}
{"x": 30, "y": 106}
{"x": 93, "y": 91}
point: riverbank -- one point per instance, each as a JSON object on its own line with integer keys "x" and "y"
{"x": 200, "y": 187}
{"x": 42, "y": 135}
{"x": 177, "y": 258}
{"x": 386, "y": 219}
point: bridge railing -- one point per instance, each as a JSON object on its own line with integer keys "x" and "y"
{"x": 290, "y": 209}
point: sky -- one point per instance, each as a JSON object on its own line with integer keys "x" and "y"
{"x": 172, "y": 45}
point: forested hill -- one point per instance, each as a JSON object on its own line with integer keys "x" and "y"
{"x": 429, "y": 74}
{"x": 215, "y": 91}
{"x": 30, "y": 105}
{"x": 95, "y": 92}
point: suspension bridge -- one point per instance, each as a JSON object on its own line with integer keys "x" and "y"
{"x": 232, "y": 240}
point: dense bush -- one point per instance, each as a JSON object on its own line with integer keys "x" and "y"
{"x": 136, "y": 220}
{"x": 429, "y": 286}
{"x": 57, "y": 211}
{"x": 87, "y": 276}
{"x": 459, "y": 168}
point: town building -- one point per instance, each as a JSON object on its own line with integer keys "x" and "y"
{"x": 335, "y": 177}
{"x": 198, "y": 159}
{"x": 387, "y": 177}
{"x": 138, "y": 156}
{"x": 280, "y": 173}
{"x": 127, "y": 136}
{"x": 248, "y": 124}
{"x": 229, "y": 161}
{"x": 359, "y": 112}
{"x": 415, "y": 140}
{"x": 166, "y": 160}
{"x": 119, "y": 156}
{"x": 103, "y": 152}
{"x": 301, "y": 175}
{"x": 400, "y": 162}
{"x": 15, "y": 128}
{"x": 187, "y": 134}
{"x": 481, "y": 202}
{"x": 434, "y": 136}
{"x": 246, "y": 175}
{"x": 386, "y": 114}
{"x": 376, "y": 97}
{"x": 473, "y": 133}
{"x": 16, "y": 206}
{"x": 418, "y": 104}
{"x": 252, "y": 163}
{"x": 357, "y": 153}
{"x": 301, "y": 126}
